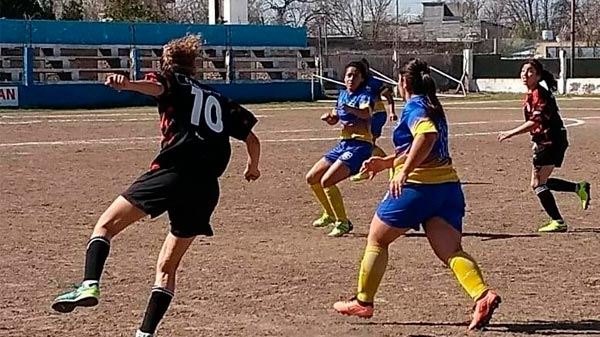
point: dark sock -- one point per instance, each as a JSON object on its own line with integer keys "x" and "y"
{"x": 560, "y": 185}
{"x": 548, "y": 202}
{"x": 95, "y": 256}
{"x": 156, "y": 309}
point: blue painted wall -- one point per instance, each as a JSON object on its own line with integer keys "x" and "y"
{"x": 76, "y": 32}
{"x": 96, "y": 95}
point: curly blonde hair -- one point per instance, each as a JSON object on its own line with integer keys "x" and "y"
{"x": 180, "y": 54}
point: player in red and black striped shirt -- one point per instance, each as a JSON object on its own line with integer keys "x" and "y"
{"x": 196, "y": 124}
{"x": 549, "y": 137}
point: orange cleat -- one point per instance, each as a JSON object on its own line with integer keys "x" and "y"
{"x": 354, "y": 308}
{"x": 484, "y": 309}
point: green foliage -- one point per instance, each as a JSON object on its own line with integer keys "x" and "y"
{"x": 130, "y": 10}
{"x": 24, "y": 9}
{"x": 73, "y": 10}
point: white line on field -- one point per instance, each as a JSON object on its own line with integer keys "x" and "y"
{"x": 74, "y": 115}
{"x": 84, "y": 141}
{"x": 84, "y": 120}
{"x": 575, "y": 122}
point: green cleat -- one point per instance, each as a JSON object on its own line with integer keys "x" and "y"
{"x": 83, "y": 296}
{"x": 341, "y": 228}
{"x": 359, "y": 177}
{"x": 553, "y": 226}
{"x": 583, "y": 192}
{"x": 324, "y": 221}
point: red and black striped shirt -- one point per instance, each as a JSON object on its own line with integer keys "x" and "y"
{"x": 540, "y": 107}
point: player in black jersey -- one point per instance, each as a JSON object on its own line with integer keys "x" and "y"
{"x": 549, "y": 138}
{"x": 196, "y": 123}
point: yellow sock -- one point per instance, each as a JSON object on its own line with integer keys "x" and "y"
{"x": 372, "y": 269}
{"x": 468, "y": 274}
{"x": 377, "y": 151}
{"x": 322, "y": 198}
{"x": 337, "y": 203}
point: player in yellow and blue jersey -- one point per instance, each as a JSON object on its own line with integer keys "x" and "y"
{"x": 425, "y": 191}
{"x": 353, "y": 111}
{"x": 377, "y": 89}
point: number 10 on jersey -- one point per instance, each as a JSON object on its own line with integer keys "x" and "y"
{"x": 200, "y": 105}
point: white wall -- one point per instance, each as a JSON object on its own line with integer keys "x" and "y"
{"x": 583, "y": 86}
{"x": 575, "y": 86}
{"x": 511, "y": 85}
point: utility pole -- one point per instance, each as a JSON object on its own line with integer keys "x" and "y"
{"x": 572, "y": 60}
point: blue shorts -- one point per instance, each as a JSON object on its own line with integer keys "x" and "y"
{"x": 351, "y": 153}
{"x": 420, "y": 202}
{"x": 377, "y": 122}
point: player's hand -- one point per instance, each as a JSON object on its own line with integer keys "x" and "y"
{"x": 329, "y": 118}
{"x": 397, "y": 183}
{"x": 502, "y": 136}
{"x": 372, "y": 166}
{"x": 117, "y": 81}
{"x": 393, "y": 117}
{"x": 251, "y": 173}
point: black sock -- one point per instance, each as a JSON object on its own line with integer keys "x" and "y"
{"x": 156, "y": 309}
{"x": 548, "y": 202}
{"x": 95, "y": 256}
{"x": 560, "y": 185}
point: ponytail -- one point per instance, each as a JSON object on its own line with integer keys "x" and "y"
{"x": 420, "y": 82}
{"x": 435, "y": 106}
{"x": 550, "y": 80}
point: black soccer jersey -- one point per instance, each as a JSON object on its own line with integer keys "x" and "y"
{"x": 540, "y": 107}
{"x": 196, "y": 122}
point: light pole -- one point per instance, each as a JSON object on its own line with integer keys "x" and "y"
{"x": 572, "y": 60}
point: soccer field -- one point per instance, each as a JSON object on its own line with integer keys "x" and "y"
{"x": 267, "y": 271}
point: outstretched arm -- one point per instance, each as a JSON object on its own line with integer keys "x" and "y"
{"x": 521, "y": 129}
{"x": 147, "y": 87}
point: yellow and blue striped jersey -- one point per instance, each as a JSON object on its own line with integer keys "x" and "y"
{"x": 375, "y": 87}
{"x": 437, "y": 167}
{"x": 352, "y": 126}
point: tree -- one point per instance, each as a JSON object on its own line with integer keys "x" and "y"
{"x": 73, "y": 10}
{"x": 184, "y": 11}
{"x": 256, "y": 13}
{"x": 588, "y": 22}
{"x": 287, "y": 12}
{"x": 561, "y": 17}
{"x": 494, "y": 11}
{"x": 130, "y": 10}
{"x": 345, "y": 17}
{"x": 47, "y": 9}
{"x": 93, "y": 9}
{"x": 379, "y": 15}
{"x": 22, "y": 9}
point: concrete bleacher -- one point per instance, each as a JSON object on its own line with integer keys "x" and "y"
{"x": 49, "y": 61}
{"x": 64, "y": 63}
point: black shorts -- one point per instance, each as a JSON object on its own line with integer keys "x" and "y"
{"x": 551, "y": 155}
{"x": 189, "y": 198}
